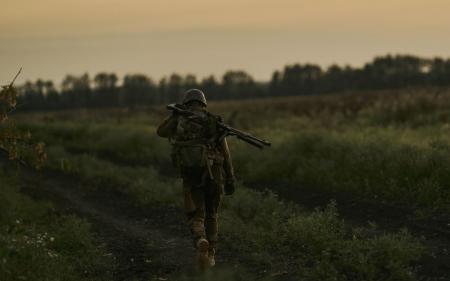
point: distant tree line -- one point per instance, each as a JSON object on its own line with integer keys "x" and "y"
{"x": 104, "y": 90}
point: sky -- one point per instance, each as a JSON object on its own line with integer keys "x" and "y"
{"x": 53, "y": 38}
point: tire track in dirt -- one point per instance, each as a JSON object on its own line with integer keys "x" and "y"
{"x": 150, "y": 243}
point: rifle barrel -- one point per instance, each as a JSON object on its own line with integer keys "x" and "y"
{"x": 250, "y": 141}
{"x": 244, "y": 134}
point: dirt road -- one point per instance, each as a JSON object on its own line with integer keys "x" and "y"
{"x": 153, "y": 243}
{"x": 150, "y": 243}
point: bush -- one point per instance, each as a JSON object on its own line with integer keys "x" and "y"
{"x": 369, "y": 163}
{"x": 316, "y": 246}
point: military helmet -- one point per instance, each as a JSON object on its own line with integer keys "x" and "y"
{"x": 194, "y": 95}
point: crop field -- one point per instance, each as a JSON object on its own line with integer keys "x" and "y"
{"x": 356, "y": 186}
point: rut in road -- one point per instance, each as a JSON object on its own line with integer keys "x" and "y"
{"x": 146, "y": 243}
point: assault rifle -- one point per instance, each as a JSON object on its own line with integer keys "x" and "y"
{"x": 227, "y": 130}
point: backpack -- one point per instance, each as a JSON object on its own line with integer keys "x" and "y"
{"x": 191, "y": 149}
{"x": 189, "y": 155}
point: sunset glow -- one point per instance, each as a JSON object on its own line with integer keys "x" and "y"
{"x": 52, "y": 38}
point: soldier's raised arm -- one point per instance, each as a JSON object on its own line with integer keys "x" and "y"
{"x": 168, "y": 127}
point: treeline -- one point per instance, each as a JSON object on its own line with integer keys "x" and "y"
{"x": 104, "y": 89}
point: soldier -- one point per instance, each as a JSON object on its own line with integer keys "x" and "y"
{"x": 206, "y": 169}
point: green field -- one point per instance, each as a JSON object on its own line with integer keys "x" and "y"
{"x": 387, "y": 148}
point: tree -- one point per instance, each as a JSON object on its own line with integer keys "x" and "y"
{"x": 138, "y": 89}
{"x": 175, "y": 88}
{"x": 190, "y": 82}
{"x": 33, "y": 97}
{"x": 211, "y": 87}
{"x": 393, "y": 72}
{"x": 52, "y": 97}
{"x": 163, "y": 91}
{"x": 301, "y": 79}
{"x": 105, "y": 89}
{"x": 237, "y": 84}
{"x": 275, "y": 84}
{"x": 439, "y": 72}
{"x": 76, "y": 91}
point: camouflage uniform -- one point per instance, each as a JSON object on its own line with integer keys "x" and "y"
{"x": 204, "y": 165}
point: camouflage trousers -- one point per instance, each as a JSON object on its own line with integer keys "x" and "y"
{"x": 202, "y": 197}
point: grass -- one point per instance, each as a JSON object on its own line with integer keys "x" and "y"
{"x": 371, "y": 163}
{"x": 388, "y": 146}
{"x": 143, "y": 184}
{"x": 401, "y": 165}
{"x": 38, "y": 244}
{"x": 263, "y": 231}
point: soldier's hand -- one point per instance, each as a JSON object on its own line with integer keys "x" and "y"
{"x": 229, "y": 187}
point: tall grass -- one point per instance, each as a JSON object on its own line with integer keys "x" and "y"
{"x": 143, "y": 184}
{"x": 405, "y": 165}
{"x": 127, "y": 143}
{"x": 370, "y": 163}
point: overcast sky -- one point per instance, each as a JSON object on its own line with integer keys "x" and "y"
{"x": 52, "y": 38}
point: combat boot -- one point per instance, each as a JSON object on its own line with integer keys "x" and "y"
{"x": 202, "y": 246}
{"x": 211, "y": 259}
